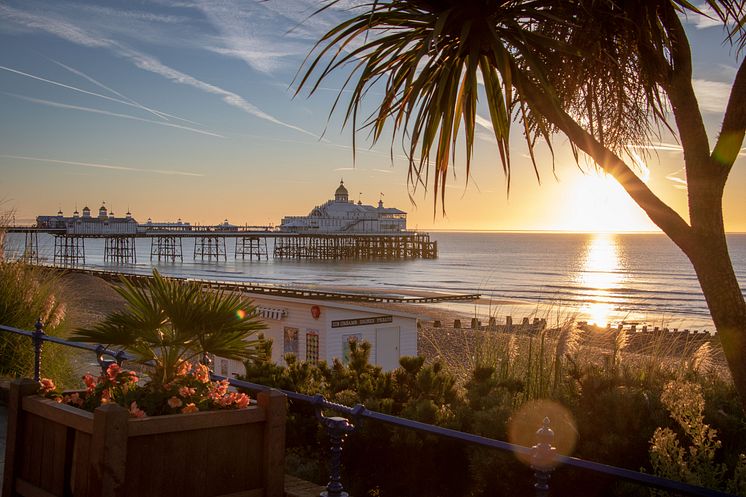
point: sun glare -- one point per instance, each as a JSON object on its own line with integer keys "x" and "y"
{"x": 597, "y": 203}
{"x": 599, "y": 277}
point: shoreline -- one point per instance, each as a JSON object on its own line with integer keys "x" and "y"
{"x": 90, "y": 298}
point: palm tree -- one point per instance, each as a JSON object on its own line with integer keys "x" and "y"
{"x": 168, "y": 322}
{"x": 605, "y": 73}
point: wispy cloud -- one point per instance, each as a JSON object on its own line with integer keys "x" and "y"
{"x": 245, "y": 31}
{"x": 77, "y": 35}
{"x": 678, "y": 179}
{"x": 483, "y": 122}
{"x": 102, "y": 166}
{"x": 136, "y": 15}
{"x": 153, "y": 65}
{"x": 56, "y": 27}
{"x": 665, "y": 147}
{"x": 712, "y": 95}
{"x": 708, "y": 20}
{"x": 61, "y": 105}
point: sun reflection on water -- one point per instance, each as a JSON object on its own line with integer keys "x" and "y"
{"x": 599, "y": 276}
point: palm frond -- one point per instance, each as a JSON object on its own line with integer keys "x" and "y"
{"x": 605, "y": 63}
{"x": 168, "y": 321}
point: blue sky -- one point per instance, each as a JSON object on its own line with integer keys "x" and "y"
{"x": 185, "y": 109}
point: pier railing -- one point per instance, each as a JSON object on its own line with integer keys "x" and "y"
{"x": 544, "y": 459}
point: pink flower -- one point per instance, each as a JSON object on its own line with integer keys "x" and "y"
{"x": 113, "y": 371}
{"x": 187, "y": 391}
{"x": 189, "y": 408}
{"x": 47, "y": 385}
{"x": 242, "y": 400}
{"x": 136, "y": 411}
{"x": 90, "y": 382}
{"x": 183, "y": 368}
{"x": 218, "y": 389}
{"x": 202, "y": 373}
{"x": 175, "y": 402}
{"x": 225, "y": 400}
{"x": 133, "y": 377}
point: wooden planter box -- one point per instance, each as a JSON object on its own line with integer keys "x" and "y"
{"x": 59, "y": 450}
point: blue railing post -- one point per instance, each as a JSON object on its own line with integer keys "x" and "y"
{"x": 542, "y": 459}
{"x": 206, "y": 360}
{"x": 102, "y": 361}
{"x": 38, "y": 344}
{"x": 337, "y": 428}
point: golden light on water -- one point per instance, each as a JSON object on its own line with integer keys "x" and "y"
{"x": 599, "y": 276}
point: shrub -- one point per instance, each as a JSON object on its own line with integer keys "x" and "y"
{"x": 696, "y": 462}
{"x": 28, "y": 293}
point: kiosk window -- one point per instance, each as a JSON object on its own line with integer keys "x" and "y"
{"x": 312, "y": 346}
{"x": 290, "y": 341}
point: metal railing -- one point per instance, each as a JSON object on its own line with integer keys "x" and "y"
{"x": 543, "y": 457}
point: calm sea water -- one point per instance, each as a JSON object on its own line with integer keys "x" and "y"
{"x": 602, "y": 277}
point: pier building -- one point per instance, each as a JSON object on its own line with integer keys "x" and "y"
{"x": 106, "y": 223}
{"x": 340, "y": 215}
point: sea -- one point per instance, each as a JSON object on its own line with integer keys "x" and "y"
{"x": 603, "y": 278}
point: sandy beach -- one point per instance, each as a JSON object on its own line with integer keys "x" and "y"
{"x": 90, "y": 298}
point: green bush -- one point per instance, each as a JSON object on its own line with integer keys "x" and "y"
{"x": 28, "y": 293}
{"x": 695, "y": 462}
{"x": 615, "y": 403}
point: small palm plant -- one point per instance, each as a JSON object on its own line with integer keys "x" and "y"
{"x": 168, "y": 323}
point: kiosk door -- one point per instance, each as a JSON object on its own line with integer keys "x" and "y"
{"x": 387, "y": 347}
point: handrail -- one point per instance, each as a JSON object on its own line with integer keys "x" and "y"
{"x": 359, "y": 412}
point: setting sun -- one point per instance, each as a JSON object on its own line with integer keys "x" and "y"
{"x": 595, "y": 202}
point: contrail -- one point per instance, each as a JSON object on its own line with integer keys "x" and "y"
{"x": 102, "y": 166}
{"x": 107, "y": 113}
{"x": 94, "y": 94}
{"x": 85, "y": 76}
{"x": 74, "y": 34}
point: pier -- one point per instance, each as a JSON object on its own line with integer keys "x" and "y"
{"x": 210, "y": 244}
{"x": 358, "y": 246}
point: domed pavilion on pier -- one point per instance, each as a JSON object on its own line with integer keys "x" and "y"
{"x": 342, "y": 215}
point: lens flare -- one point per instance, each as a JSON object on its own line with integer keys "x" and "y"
{"x": 524, "y": 423}
{"x": 241, "y": 314}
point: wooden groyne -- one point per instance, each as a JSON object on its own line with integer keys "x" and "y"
{"x": 286, "y": 291}
{"x": 634, "y": 338}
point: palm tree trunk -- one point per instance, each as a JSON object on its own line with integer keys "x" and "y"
{"x": 709, "y": 256}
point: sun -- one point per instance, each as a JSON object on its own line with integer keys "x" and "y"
{"x": 596, "y": 203}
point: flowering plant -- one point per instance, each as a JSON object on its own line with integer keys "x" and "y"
{"x": 169, "y": 322}
{"x": 191, "y": 390}
{"x": 168, "y": 325}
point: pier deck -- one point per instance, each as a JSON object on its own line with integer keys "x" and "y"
{"x": 210, "y": 244}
